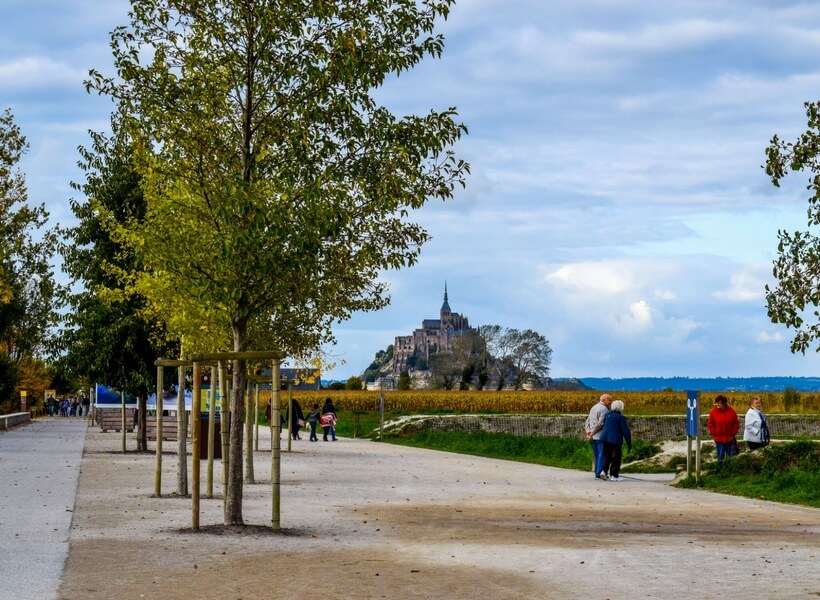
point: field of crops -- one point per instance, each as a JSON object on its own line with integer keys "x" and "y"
{"x": 544, "y": 402}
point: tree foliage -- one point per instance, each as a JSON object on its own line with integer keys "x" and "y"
{"x": 795, "y": 299}
{"x": 523, "y": 356}
{"x": 277, "y": 186}
{"x": 27, "y": 286}
{"x": 109, "y": 335}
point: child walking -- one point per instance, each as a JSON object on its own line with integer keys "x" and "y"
{"x": 313, "y": 419}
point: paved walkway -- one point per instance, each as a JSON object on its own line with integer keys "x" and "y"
{"x": 39, "y": 471}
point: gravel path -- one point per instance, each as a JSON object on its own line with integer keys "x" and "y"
{"x": 368, "y": 520}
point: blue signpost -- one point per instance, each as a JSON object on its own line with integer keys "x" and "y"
{"x": 693, "y": 431}
{"x": 692, "y": 414}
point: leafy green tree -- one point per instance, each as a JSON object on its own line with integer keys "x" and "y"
{"x": 445, "y": 370}
{"x": 530, "y": 355}
{"x": 514, "y": 354}
{"x": 27, "y": 286}
{"x": 404, "y": 380}
{"x": 9, "y": 375}
{"x": 108, "y": 335}
{"x": 796, "y": 297}
{"x": 277, "y": 186}
{"x": 353, "y": 383}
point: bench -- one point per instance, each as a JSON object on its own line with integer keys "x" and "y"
{"x": 169, "y": 427}
{"x": 111, "y": 418}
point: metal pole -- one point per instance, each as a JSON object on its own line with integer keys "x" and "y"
{"x": 697, "y": 458}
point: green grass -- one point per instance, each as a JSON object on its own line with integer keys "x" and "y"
{"x": 787, "y": 472}
{"x": 566, "y": 453}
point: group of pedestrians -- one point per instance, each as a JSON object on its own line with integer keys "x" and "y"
{"x": 71, "y": 406}
{"x": 326, "y": 417}
{"x": 724, "y": 426}
{"x": 607, "y": 430}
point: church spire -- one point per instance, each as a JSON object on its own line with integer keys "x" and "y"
{"x": 445, "y": 308}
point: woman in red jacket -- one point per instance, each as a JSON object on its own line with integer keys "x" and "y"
{"x": 723, "y": 425}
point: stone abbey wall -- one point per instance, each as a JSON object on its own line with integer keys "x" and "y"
{"x": 652, "y": 429}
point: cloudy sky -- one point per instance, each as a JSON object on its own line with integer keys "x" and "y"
{"x": 616, "y": 205}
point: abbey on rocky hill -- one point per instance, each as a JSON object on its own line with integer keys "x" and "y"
{"x": 412, "y": 352}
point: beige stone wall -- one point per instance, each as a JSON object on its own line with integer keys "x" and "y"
{"x": 653, "y": 429}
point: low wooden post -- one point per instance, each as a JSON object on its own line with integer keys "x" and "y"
{"x": 182, "y": 435}
{"x": 256, "y": 417}
{"x": 225, "y": 423}
{"x": 158, "y": 468}
{"x": 249, "y": 475}
{"x": 290, "y": 416}
{"x": 122, "y": 411}
{"x": 275, "y": 456}
{"x": 195, "y": 448}
{"x": 209, "y": 493}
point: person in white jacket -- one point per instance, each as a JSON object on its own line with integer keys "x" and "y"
{"x": 755, "y": 426}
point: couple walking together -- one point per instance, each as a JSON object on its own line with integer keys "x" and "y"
{"x": 607, "y": 430}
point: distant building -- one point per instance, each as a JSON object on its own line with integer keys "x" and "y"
{"x": 299, "y": 378}
{"x": 411, "y": 352}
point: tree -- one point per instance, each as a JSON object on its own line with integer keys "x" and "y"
{"x": 108, "y": 334}
{"x": 27, "y": 286}
{"x": 277, "y": 186}
{"x": 531, "y": 355}
{"x": 797, "y": 266}
{"x": 445, "y": 370}
{"x": 522, "y": 355}
{"x": 353, "y": 383}
{"x": 404, "y": 380}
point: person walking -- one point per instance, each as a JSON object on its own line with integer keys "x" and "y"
{"x": 313, "y": 421}
{"x": 723, "y": 426}
{"x": 756, "y": 426}
{"x": 593, "y": 427}
{"x": 329, "y": 419}
{"x": 297, "y": 420}
{"x": 613, "y": 435}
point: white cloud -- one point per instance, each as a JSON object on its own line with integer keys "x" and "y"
{"x": 595, "y": 278}
{"x": 764, "y": 337}
{"x": 747, "y": 286}
{"x": 38, "y": 72}
{"x": 637, "y": 319}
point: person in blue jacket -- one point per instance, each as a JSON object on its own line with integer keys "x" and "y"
{"x": 614, "y": 434}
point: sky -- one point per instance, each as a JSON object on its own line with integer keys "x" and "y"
{"x": 616, "y": 205}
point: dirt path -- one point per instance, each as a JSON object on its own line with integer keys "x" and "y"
{"x": 369, "y": 520}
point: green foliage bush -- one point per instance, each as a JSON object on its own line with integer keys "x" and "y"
{"x": 788, "y": 472}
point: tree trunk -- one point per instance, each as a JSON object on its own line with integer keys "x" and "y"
{"x": 233, "y": 502}
{"x": 142, "y": 434}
